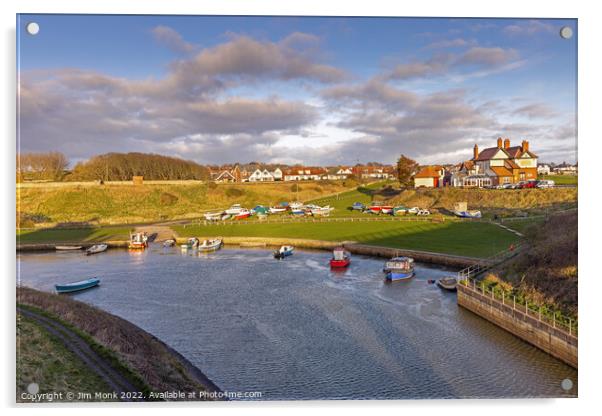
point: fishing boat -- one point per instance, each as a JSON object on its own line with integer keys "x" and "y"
{"x": 138, "y": 241}
{"x": 386, "y": 209}
{"x": 399, "y": 268}
{"x": 213, "y": 216}
{"x": 234, "y": 209}
{"x": 448, "y": 283}
{"x": 60, "y": 248}
{"x": 192, "y": 242}
{"x": 96, "y": 248}
{"x": 283, "y": 252}
{"x": 210, "y": 245}
{"x": 468, "y": 214}
{"x": 321, "y": 211}
{"x": 244, "y": 213}
{"x": 169, "y": 243}
{"x": 358, "y": 206}
{"x": 277, "y": 210}
{"x": 77, "y": 286}
{"x": 340, "y": 258}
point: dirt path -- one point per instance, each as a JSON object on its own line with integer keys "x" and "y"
{"x": 162, "y": 232}
{"x": 80, "y": 347}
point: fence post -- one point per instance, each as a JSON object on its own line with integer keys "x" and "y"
{"x": 540, "y": 313}
{"x": 554, "y": 321}
{"x": 514, "y": 302}
{"x": 503, "y": 297}
{"x": 570, "y": 326}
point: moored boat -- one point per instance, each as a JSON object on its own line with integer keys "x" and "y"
{"x": 210, "y": 245}
{"x": 448, "y": 283}
{"x": 96, "y": 248}
{"x": 399, "y": 268}
{"x": 65, "y": 248}
{"x": 244, "y": 213}
{"x": 283, "y": 252}
{"x": 321, "y": 211}
{"x": 297, "y": 211}
{"x": 296, "y": 204}
{"x": 468, "y": 214}
{"x": 358, "y": 206}
{"x": 277, "y": 210}
{"x": 77, "y": 286}
{"x": 386, "y": 209}
{"x": 226, "y": 217}
{"x": 234, "y": 209}
{"x": 169, "y": 243}
{"x": 138, "y": 241}
{"x": 192, "y": 242}
{"x": 400, "y": 210}
{"x": 340, "y": 258}
{"x": 213, "y": 216}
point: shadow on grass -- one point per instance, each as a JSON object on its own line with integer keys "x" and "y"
{"x": 80, "y": 234}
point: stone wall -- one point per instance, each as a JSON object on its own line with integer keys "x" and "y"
{"x": 554, "y": 341}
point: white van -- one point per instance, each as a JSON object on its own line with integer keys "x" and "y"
{"x": 545, "y": 184}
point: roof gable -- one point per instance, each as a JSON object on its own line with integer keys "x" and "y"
{"x": 492, "y": 153}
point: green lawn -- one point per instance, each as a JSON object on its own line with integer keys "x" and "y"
{"x": 65, "y": 235}
{"x": 561, "y": 179}
{"x": 461, "y": 238}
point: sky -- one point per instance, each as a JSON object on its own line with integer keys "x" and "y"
{"x": 309, "y": 90}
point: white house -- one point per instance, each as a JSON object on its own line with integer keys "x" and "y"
{"x": 304, "y": 174}
{"x": 429, "y": 177}
{"x": 277, "y": 174}
{"x": 543, "y": 169}
{"x": 261, "y": 176}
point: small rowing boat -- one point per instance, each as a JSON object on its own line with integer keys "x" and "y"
{"x": 448, "y": 283}
{"x": 65, "y": 248}
{"x": 169, "y": 243}
{"x": 210, "y": 245}
{"x": 340, "y": 258}
{"x": 138, "y": 241}
{"x": 283, "y": 252}
{"x": 322, "y": 211}
{"x": 192, "y": 242}
{"x": 399, "y": 268}
{"x": 96, "y": 248}
{"x": 468, "y": 214}
{"x": 277, "y": 210}
{"x": 77, "y": 286}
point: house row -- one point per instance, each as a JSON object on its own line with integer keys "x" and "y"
{"x": 235, "y": 173}
{"x": 502, "y": 164}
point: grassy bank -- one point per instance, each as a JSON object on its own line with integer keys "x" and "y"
{"x": 74, "y": 235}
{"x": 150, "y": 361}
{"x": 44, "y": 360}
{"x": 546, "y": 272}
{"x": 118, "y": 204}
{"x": 562, "y": 179}
{"x": 459, "y": 238}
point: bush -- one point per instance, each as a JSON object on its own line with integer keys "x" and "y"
{"x": 234, "y": 192}
{"x": 168, "y": 199}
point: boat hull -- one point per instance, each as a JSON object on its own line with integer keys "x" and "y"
{"x": 78, "y": 286}
{"x": 340, "y": 263}
{"x": 450, "y": 285}
{"x": 399, "y": 275}
{"x": 67, "y": 248}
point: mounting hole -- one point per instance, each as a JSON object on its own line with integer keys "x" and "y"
{"x": 32, "y": 28}
{"x": 566, "y": 32}
{"x": 566, "y": 384}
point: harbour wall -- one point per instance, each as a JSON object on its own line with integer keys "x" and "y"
{"x": 554, "y": 340}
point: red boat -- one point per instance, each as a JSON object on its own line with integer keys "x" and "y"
{"x": 375, "y": 209}
{"x": 340, "y": 258}
{"x": 244, "y": 213}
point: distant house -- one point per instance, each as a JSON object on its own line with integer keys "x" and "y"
{"x": 300, "y": 173}
{"x": 543, "y": 170}
{"x": 261, "y": 176}
{"x": 226, "y": 173}
{"x": 565, "y": 169}
{"x": 277, "y": 174}
{"x": 338, "y": 173}
{"x": 370, "y": 172}
{"x": 506, "y": 164}
{"x": 429, "y": 177}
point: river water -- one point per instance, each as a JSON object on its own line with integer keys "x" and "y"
{"x": 294, "y": 329}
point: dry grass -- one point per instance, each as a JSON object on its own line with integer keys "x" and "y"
{"x": 160, "y": 369}
{"x": 546, "y": 272}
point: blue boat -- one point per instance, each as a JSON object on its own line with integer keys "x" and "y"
{"x": 283, "y": 252}
{"x": 77, "y": 286}
{"x": 298, "y": 211}
{"x": 358, "y": 206}
{"x": 399, "y": 268}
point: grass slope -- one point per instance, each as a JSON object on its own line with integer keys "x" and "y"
{"x": 42, "y": 359}
{"x": 460, "y": 238}
{"x": 75, "y": 235}
{"x": 118, "y": 204}
{"x": 562, "y": 179}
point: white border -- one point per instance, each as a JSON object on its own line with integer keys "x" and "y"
{"x": 589, "y": 149}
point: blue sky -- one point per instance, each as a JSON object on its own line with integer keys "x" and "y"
{"x": 296, "y": 89}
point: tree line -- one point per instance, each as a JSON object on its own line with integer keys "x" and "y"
{"x": 108, "y": 167}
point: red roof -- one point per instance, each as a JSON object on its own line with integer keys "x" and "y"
{"x": 429, "y": 172}
{"x": 500, "y": 171}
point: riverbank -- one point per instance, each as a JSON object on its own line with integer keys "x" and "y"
{"x": 139, "y": 358}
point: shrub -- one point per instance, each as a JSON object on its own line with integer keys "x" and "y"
{"x": 168, "y": 199}
{"x": 234, "y": 192}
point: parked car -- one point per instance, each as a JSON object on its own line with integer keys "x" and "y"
{"x": 423, "y": 212}
{"x": 520, "y": 185}
{"x": 546, "y": 184}
{"x": 508, "y": 186}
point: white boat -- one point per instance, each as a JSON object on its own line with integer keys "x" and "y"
{"x": 169, "y": 243}
{"x": 324, "y": 211}
{"x": 296, "y": 205}
{"x": 277, "y": 210}
{"x": 213, "y": 216}
{"x": 226, "y": 217}
{"x": 234, "y": 209}
{"x": 96, "y": 248}
{"x": 192, "y": 242}
{"x": 468, "y": 214}
{"x": 68, "y": 247}
{"x": 283, "y": 252}
{"x": 448, "y": 283}
{"x": 211, "y": 245}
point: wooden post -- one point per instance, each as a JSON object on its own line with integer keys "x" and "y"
{"x": 570, "y": 326}
{"x": 514, "y": 302}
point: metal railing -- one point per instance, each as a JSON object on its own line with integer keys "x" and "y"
{"x": 481, "y": 266}
{"x": 542, "y": 314}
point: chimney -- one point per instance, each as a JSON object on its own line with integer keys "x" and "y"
{"x": 507, "y": 144}
{"x": 525, "y": 146}
{"x": 499, "y": 142}
{"x": 475, "y": 152}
